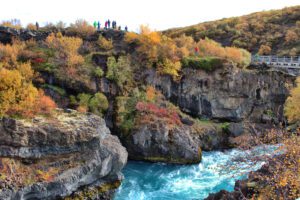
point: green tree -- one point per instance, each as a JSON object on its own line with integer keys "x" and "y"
{"x": 98, "y": 104}
{"x": 119, "y": 71}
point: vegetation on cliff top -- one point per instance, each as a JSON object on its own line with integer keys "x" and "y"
{"x": 276, "y": 31}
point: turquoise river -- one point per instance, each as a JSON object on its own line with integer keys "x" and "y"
{"x": 217, "y": 171}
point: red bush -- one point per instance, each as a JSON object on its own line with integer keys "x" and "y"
{"x": 38, "y": 60}
{"x": 170, "y": 115}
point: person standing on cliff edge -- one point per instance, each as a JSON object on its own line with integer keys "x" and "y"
{"x": 37, "y": 26}
{"x": 95, "y": 24}
{"x": 99, "y": 26}
{"x": 108, "y": 23}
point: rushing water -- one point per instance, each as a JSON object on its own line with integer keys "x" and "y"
{"x": 217, "y": 171}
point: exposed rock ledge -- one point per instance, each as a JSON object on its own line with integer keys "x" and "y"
{"x": 50, "y": 158}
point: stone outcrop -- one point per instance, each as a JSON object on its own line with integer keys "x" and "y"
{"x": 7, "y": 34}
{"x": 50, "y": 158}
{"x": 156, "y": 142}
{"x": 227, "y": 94}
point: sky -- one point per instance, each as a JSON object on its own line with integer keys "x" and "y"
{"x": 158, "y": 14}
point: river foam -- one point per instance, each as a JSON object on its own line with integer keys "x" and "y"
{"x": 217, "y": 171}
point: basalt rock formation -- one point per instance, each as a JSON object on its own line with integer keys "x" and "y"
{"x": 227, "y": 94}
{"x": 69, "y": 154}
{"x": 7, "y": 34}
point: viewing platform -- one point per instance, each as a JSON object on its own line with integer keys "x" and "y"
{"x": 287, "y": 62}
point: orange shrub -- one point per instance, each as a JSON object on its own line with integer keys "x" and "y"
{"x": 150, "y": 93}
{"x": 45, "y": 105}
{"x": 17, "y": 94}
{"x": 9, "y": 53}
{"x": 291, "y": 36}
{"x": 81, "y": 28}
{"x": 236, "y": 55}
{"x": 209, "y": 47}
{"x": 82, "y": 109}
{"x": 147, "y": 42}
{"x": 185, "y": 46}
{"x": 264, "y": 50}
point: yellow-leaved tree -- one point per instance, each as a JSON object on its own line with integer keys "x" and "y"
{"x": 292, "y": 108}
{"x": 18, "y": 96}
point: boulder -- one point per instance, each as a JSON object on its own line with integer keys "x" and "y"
{"x": 157, "y": 142}
{"x": 58, "y": 156}
{"x": 236, "y": 129}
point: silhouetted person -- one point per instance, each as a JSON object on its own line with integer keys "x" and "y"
{"x": 126, "y": 28}
{"x": 37, "y": 26}
{"x": 99, "y": 25}
{"x": 108, "y": 23}
{"x": 119, "y": 28}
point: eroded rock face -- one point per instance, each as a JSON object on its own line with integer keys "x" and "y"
{"x": 156, "y": 142}
{"x": 228, "y": 94}
{"x": 54, "y": 157}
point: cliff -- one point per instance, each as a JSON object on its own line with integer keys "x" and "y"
{"x": 215, "y": 109}
{"x": 50, "y": 158}
{"x": 227, "y": 94}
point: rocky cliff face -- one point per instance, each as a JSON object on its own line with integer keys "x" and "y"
{"x": 50, "y": 158}
{"x": 156, "y": 142}
{"x": 7, "y": 34}
{"x": 228, "y": 94}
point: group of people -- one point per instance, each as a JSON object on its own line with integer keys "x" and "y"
{"x": 97, "y": 25}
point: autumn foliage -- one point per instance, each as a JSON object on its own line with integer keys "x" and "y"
{"x": 150, "y": 93}
{"x": 66, "y": 49}
{"x": 211, "y": 48}
{"x": 283, "y": 178}
{"x": 264, "y": 50}
{"x": 81, "y": 28}
{"x": 18, "y": 96}
{"x": 291, "y": 36}
{"x": 45, "y": 105}
{"x": 9, "y": 53}
{"x": 151, "y": 109}
{"x": 276, "y": 28}
{"x": 292, "y": 108}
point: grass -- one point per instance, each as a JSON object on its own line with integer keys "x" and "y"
{"x": 207, "y": 64}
